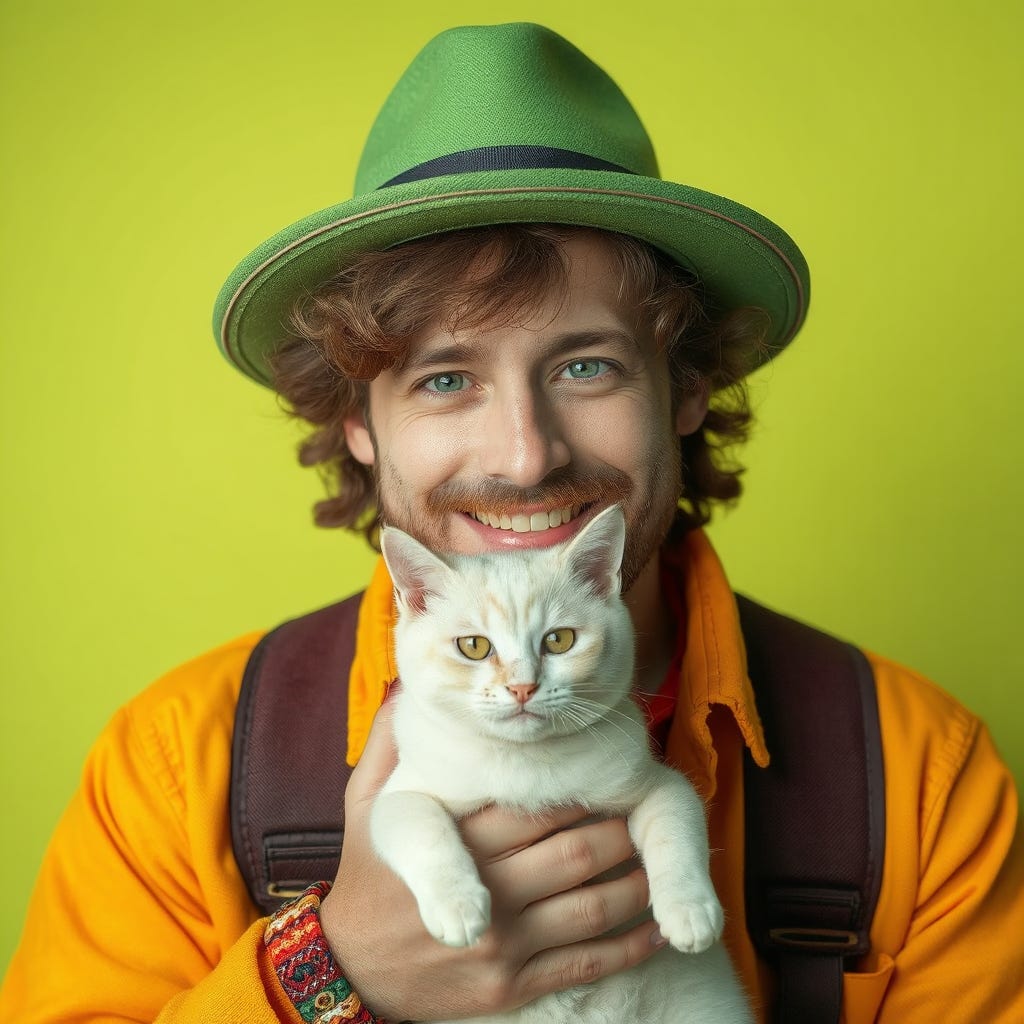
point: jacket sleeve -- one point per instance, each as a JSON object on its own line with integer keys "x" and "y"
{"x": 953, "y": 892}
{"x": 138, "y": 913}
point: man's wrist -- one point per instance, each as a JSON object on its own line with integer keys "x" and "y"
{"x": 305, "y": 966}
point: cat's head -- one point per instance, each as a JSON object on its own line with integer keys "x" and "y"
{"x": 519, "y": 645}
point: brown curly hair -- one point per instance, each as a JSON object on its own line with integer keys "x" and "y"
{"x": 360, "y": 322}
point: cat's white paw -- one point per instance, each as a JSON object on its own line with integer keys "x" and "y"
{"x": 691, "y": 926}
{"x": 457, "y": 917}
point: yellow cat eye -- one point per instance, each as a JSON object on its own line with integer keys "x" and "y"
{"x": 558, "y": 641}
{"x": 476, "y": 648}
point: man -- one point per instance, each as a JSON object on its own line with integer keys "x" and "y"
{"x": 493, "y": 387}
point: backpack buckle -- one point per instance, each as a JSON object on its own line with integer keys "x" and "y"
{"x": 815, "y": 940}
{"x": 286, "y": 891}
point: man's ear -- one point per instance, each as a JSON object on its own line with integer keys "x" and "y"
{"x": 358, "y": 439}
{"x": 692, "y": 409}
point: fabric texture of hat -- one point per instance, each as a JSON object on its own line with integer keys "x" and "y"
{"x": 507, "y": 124}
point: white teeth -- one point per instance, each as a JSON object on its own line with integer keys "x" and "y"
{"x": 534, "y": 523}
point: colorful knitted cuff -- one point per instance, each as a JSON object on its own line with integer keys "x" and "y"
{"x": 305, "y": 967}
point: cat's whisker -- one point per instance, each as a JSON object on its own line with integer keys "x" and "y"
{"x": 605, "y": 714}
{"x": 604, "y": 710}
{"x": 588, "y": 725}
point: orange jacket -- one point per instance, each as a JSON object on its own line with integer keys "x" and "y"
{"x": 140, "y": 913}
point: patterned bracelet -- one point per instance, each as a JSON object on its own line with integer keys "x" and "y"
{"x": 305, "y": 967}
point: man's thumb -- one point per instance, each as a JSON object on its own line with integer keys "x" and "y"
{"x": 378, "y": 759}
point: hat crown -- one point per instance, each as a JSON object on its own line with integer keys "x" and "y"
{"x": 515, "y": 85}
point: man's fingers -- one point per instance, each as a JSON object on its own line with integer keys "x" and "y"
{"x": 496, "y": 832}
{"x": 587, "y": 912}
{"x": 562, "y": 968}
{"x": 378, "y": 759}
{"x": 559, "y": 863}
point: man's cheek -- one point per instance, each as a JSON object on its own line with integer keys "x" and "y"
{"x": 408, "y": 470}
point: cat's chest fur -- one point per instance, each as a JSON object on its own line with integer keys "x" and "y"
{"x": 606, "y": 768}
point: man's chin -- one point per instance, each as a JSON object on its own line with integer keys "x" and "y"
{"x": 642, "y": 549}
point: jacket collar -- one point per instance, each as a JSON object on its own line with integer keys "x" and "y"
{"x": 714, "y": 664}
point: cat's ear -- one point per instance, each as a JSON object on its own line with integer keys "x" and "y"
{"x": 594, "y": 555}
{"x": 415, "y": 570}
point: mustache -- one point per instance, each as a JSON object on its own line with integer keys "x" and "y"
{"x": 562, "y": 487}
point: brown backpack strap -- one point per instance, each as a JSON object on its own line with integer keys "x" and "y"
{"x": 288, "y": 769}
{"x": 815, "y": 818}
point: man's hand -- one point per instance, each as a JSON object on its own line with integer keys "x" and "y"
{"x": 548, "y": 930}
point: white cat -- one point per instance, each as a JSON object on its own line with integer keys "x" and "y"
{"x": 516, "y": 671}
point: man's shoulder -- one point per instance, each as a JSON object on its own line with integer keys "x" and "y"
{"x": 203, "y": 689}
{"x": 928, "y": 735}
{"x": 203, "y": 692}
{"x": 908, "y": 697}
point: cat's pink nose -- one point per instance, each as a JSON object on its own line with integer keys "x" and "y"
{"x": 522, "y": 691}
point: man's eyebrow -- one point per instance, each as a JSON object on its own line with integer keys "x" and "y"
{"x": 570, "y": 340}
{"x": 462, "y": 353}
{"x": 458, "y": 352}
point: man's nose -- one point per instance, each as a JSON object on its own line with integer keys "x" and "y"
{"x": 525, "y": 441}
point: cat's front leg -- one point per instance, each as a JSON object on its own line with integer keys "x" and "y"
{"x": 416, "y": 837}
{"x": 669, "y": 830}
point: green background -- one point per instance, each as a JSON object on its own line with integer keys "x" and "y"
{"x": 151, "y": 504}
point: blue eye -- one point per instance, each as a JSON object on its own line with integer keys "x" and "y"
{"x": 582, "y": 369}
{"x": 445, "y": 383}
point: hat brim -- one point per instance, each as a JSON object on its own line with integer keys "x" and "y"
{"x": 741, "y": 257}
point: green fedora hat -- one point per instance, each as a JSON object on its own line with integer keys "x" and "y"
{"x": 502, "y": 124}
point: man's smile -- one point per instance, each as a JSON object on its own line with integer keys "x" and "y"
{"x": 528, "y": 522}
{"x": 527, "y": 528}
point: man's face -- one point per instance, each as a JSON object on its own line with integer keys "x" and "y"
{"x": 514, "y": 436}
